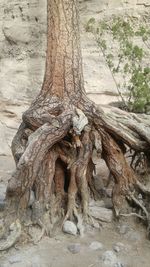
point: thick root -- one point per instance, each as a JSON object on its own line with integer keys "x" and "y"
{"x": 56, "y": 166}
{"x": 13, "y": 236}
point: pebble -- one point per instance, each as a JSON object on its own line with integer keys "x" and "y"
{"x": 95, "y": 245}
{"x": 70, "y": 228}
{"x": 118, "y": 247}
{"x": 109, "y": 258}
{"x": 74, "y": 248}
{"x": 119, "y": 264}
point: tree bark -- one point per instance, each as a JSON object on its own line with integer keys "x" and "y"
{"x": 54, "y": 145}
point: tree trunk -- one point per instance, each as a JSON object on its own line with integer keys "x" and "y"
{"x": 54, "y": 145}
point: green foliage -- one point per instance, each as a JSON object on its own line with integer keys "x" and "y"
{"x": 128, "y": 61}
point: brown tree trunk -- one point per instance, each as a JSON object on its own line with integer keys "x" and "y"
{"x": 54, "y": 145}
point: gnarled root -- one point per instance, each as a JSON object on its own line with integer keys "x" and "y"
{"x": 12, "y": 237}
{"x": 56, "y": 167}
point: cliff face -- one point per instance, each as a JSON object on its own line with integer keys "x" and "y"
{"x": 23, "y": 45}
{"x": 23, "y": 50}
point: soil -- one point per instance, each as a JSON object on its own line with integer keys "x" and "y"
{"x": 54, "y": 252}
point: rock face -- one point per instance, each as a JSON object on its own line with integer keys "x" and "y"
{"x": 23, "y": 45}
{"x": 102, "y": 214}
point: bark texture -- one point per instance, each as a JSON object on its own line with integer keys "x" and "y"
{"x": 54, "y": 145}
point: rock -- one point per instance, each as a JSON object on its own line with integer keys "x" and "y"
{"x": 101, "y": 214}
{"x": 15, "y": 259}
{"x": 109, "y": 258}
{"x": 96, "y": 225}
{"x": 95, "y": 245}
{"x": 119, "y": 264}
{"x": 70, "y": 228}
{"x": 74, "y": 248}
{"x": 118, "y": 247}
{"x": 36, "y": 265}
{"x": 98, "y": 203}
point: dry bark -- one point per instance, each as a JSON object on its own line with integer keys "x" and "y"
{"x": 54, "y": 145}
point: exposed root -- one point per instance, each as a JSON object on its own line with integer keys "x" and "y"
{"x": 56, "y": 165}
{"x": 12, "y": 237}
{"x": 143, "y": 188}
{"x": 133, "y": 214}
{"x": 138, "y": 203}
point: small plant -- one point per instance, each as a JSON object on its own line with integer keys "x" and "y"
{"x": 118, "y": 41}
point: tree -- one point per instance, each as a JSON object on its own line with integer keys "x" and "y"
{"x": 54, "y": 144}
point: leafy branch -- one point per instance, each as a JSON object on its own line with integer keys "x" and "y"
{"x": 124, "y": 57}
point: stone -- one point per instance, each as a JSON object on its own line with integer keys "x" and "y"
{"x": 96, "y": 225}
{"x": 102, "y": 214}
{"x": 70, "y": 228}
{"x": 119, "y": 264}
{"x": 95, "y": 245}
{"x": 109, "y": 258}
{"x": 98, "y": 203}
{"x": 74, "y": 248}
{"x": 15, "y": 259}
{"x": 118, "y": 247}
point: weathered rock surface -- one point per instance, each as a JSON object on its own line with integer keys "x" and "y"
{"x": 74, "y": 248}
{"x": 23, "y": 45}
{"x": 118, "y": 247}
{"x": 102, "y": 214}
{"x": 70, "y": 228}
{"x": 109, "y": 258}
{"x": 95, "y": 245}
